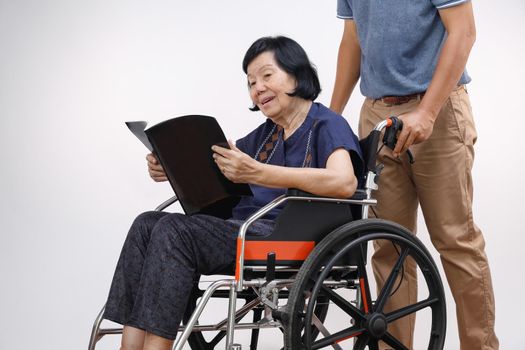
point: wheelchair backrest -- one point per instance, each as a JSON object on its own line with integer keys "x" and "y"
{"x": 299, "y": 227}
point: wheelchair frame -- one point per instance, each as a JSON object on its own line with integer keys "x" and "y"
{"x": 267, "y": 290}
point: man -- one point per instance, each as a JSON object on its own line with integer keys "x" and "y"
{"x": 411, "y": 57}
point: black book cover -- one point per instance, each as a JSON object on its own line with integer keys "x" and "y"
{"x": 183, "y": 147}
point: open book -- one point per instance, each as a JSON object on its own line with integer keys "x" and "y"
{"x": 183, "y": 147}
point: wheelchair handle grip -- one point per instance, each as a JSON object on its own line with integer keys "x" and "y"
{"x": 393, "y": 126}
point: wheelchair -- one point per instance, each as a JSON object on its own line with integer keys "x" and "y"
{"x": 316, "y": 260}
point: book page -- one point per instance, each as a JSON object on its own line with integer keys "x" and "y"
{"x": 137, "y": 128}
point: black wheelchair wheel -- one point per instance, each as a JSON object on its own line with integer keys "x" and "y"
{"x": 368, "y": 320}
{"x": 318, "y": 316}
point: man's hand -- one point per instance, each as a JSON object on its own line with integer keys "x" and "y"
{"x": 237, "y": 166}
{"x": 417, "y": 127}
{"x": 155, "y": 169}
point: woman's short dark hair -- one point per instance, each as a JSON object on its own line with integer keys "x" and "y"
{"x": 291, "y": 58}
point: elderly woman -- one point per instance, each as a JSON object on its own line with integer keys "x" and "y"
{"x": 301, "y": 145}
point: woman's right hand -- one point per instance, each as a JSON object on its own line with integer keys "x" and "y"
{"x": 156, "y": 171}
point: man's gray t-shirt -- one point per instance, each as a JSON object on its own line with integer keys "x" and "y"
{"x": 400, "y": 43}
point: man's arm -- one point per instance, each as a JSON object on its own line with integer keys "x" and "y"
{"x": 461, "y": 34}
{"x": 348, "y": 67}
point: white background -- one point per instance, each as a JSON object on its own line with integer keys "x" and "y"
{"x": 73, "y": 177}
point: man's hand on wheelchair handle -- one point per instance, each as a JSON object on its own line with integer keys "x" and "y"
{"x": 155, "y": 169}
{"x": 417, "y": 127}
{"x": 236, "y": 165}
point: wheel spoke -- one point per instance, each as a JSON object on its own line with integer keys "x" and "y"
{"x": 373, "y": 344}
{"x": 393, "y": 342}
{"x": 407, "y": 310}
{"x": 390, "y": 281}
{"x": 337, "y": 337}
{"x": 361, "y": 342}
{"x": 346, "y": 306}
{"x": 217, "y": 339}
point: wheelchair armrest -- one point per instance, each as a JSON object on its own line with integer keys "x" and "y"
{"x": 293, "y": 192}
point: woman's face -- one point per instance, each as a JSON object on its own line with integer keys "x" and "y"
{"x": 269, "y": 85}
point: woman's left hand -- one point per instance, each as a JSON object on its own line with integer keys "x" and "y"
{"x": 236, "y": 165}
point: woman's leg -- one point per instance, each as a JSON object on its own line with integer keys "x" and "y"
{"x": 162, "y": 255}
{"x": 154, "y": 342}
{"x": 129, "y": 269}
{"x": 132, "y": 338}
{"x": 137, "y": 339}
{"x": 181, "y": 248}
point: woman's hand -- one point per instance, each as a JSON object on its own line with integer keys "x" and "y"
{"x": 237, "y": 166}
{"x": 156, "y": 171}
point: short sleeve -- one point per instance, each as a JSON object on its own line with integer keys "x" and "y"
{"x": 443, "y": 4}
{"x": 344, "y": 9}
{"x": 336, "y": 133}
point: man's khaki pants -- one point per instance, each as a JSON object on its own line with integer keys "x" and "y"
{"x": 440, "y": 181}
